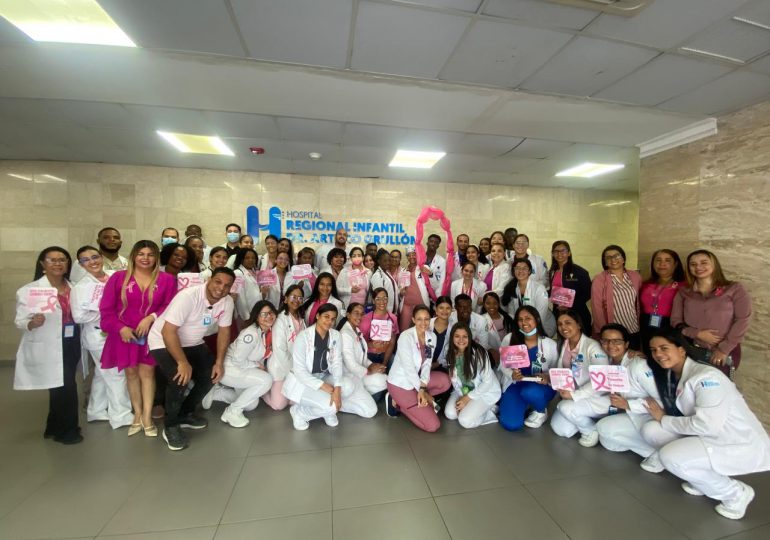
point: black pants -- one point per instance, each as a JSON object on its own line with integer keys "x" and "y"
{"x": 62, "y": 420}
{"x": 177, "y": 405}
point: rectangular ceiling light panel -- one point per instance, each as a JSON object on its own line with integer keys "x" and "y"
{"x": 65, "y": 21}
{"x": 589, "y": 170}
{"x": 416, "y": 160}
{"x": 197, "y": 144}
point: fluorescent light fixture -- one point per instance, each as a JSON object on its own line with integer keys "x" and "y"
{"x": 752, "y": 23}
{"x": 589, "y": 170}
{"x": 20, "y": 177}
{"x": 53, "y": 178}
{"x": 196, "y": 144}
{"x": 416, "y": 160}
{"x": 712, "y": 55}
{"x": 65, "y": 21}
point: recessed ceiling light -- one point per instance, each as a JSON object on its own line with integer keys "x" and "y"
{"x": 197, "y": 144}
{"x": 315, "y": 156}
{"x": 589, "y": 170}
{"x": 65, "y": 21}
{"x": 415, "y": 159}
{"x": 752, "y": 23}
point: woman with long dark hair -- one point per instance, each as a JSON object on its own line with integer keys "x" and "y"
{"x": 566, "y": 274}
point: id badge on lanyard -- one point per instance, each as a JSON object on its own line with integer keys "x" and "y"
{"x": 655, "y": 319}
{"x": 69, "y": 330}
{"x": 207, "y": 320}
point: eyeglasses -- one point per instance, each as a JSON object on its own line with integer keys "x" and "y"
{"x": 55, "y": 261}
{"x": 616, "y": 342}
{"x": 84, "y": 260}
{"x": 613, "y": 257}
{"x": 295, "y": 298}
{"x": 381, "y": 299}
{"x": 560, "y": 251}
{"x": 266, "y": 315}
{"x": 520, "y": 243}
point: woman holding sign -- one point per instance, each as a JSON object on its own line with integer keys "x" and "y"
{"x": 324, "y": 291}
{"x": 575, "y": 412}
{"x": 245, "y": 264}
{"x": 570, "y": 283}
{"x": 524, "y": 290}
{"x": 353, "y": 280}
{"x": 49, "y": 351}
{"x": 108, "y": 399}
{"x": 621, "y": 432}
{"x": 273, "y": 282}
{"x": 468, "y": 284}
{"x": 132, "y": 300}
{"x": 370, "y": 374}
{"x": 526, "y": 355}
{"x": 615, "y": 294}
{"x": 287, "y": 327}
{"x": 411, "y": 383}
{"x": 415, "y": 292}
{"x": 380, "y": 329}
{"x": 476, "y": 388}
{"x": 705, "y": 429}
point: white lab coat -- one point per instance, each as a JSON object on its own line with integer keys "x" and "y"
{"x": 354, "y": 349}
{"x": 478, "y": 326}
{"x": 536, "y": 296}
{"x": 335, "y": 302}
{"x": 249, "y": 295}
{"x": 486, "y": 385}
{"x": 408, "y": 370}
{"x": 301, "y": 376}
{"x": 593, "y": 355}
{"x": 442, "y": 356}
{"x": 715, "y": 411}
{"x": 379, "y": 279}
{"x": 39, "y": 359}
{"x": 438, "y": 267}
{"x": 493, "y": 338}
{"x": 478, "y": 288}
{"x": 344, "y": 286}
{"x": 547, "y": 353}
{"x": 275, "y": 292}
{"x": 248, "y": 350}
{"x": 284, "y": 337}
{"x": 482, "y": 269}
{"x": 91, "y": 337}
{"x": 501, "y": 275}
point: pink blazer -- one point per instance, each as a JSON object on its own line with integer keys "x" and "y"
{"x": 602, "y": 301}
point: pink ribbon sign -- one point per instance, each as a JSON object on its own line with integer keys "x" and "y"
{"x": 514, "y": 356}
{"x": 301, "y": 271}
{"x": 185, "y": 280}
{"x": 404, "y": 280}
{"x": 609, "y": 378}
{"x": 357, "y": 278}
{"x": 381, "y": 330}
{"x": 562, "y": 296}
{"x": 266, "y": 278}
{"x": 42, "y": 299}
{"x": 237, "y": 285}
{"x": 435, "y": 213}
{"x": 561, "y": 379}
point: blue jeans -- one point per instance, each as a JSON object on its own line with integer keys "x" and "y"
{"x": 518, "y": 398}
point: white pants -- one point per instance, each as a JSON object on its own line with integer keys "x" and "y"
{"x": 572, "y": 416}
{"x": 475, "y": 413}
{"x": 109, "y": 395}
{"x": 657, "y": 437}
{"x": 248, "y": 386}
{"x": 618, "y": 433}
{"x": 376, "y": 382}
{"x": 355, "y": 399}
{"x": 687, "y": 458}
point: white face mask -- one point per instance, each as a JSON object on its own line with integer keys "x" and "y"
{"x": 166, "y": 240}
{"x": 233, "y": 236}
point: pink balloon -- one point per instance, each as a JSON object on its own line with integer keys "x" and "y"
{"x": 434, "y": 213}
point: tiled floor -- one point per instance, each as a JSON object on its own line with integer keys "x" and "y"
{"x": 378, "y": 478}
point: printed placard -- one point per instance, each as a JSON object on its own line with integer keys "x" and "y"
{"x": 94, "y": 296}
{"x": 301, "y": 271}
{"x": 185, "y": 280}
{"x": 381, "y": 330}
{"x": 266, "y": 278}
{"x": 404, "y": 280}
{"x": 357, "y": 278}
{"x": 237, "y": 285}
{"x": 609, "y": 378}
{"x": 561, "y": 296}
{"x": 42, "y": 299}
{"x": 515, "y": 356}
{"x": 561, "y": 379}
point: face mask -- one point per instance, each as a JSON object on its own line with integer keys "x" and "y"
{"x": 530, "y": 333}
{"x": 233, "y": 236}
{"x": 166, "y": 240}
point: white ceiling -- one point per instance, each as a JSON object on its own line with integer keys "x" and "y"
{"x": 512, "y": 90}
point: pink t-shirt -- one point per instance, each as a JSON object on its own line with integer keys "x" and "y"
{"x": 557, "y": 279}
{"x": 191, "y": 311}
{"x": 314, "y": 309}
{"x": 653, "y": 294}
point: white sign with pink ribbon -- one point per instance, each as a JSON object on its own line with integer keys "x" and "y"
{"x": 266, "y": 278}
{"x": 609, "y": 378}
{"x": 381, "y": 330}
{"x": 514, "y": 356}
{"x": 561, "y": 296}
{"x": 404, "y": 280}
{"x": 186, "y": 280}
{"x": 94, "y": 295}
{"x": 561, "y": 379}
{"x": 301, "y": 271}
{"x": 42, "y": 299}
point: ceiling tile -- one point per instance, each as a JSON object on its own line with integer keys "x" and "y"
{"x": 169, "y": 119}
{"x": 366, "y": 155}
{"x": 358, "y": 170}
{"x": 502, "y": 54}
{"x": 307, "y": 130}
{"x": 330, "y": 153}
{"x": 367, "y": 135}
{"x": 425, "y": 140}
{"x": 242, "y": 125}
{"x": 460, "y": 162}
{"x": 404, "y": 41}
{"x": 663, "y": 78}
{"x": 463, "y": 5}
{"x": 182, "y": 25}
{"x": 725, "y": 94}
{"x": 756, "y": 10}
{"x": 734, "y": 39}
{"x": 540, "y": 13}
{"x": 538, "y": 148}
{"x": 299, "y": 31}
{"x": 762, "y": 65}
{"x": 485, "y": 145}
{"x": 664, "y": 23}
{"x": 587, "y": 65}
{"x": 506, "y": 164}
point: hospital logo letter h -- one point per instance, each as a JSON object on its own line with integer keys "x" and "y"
{"x": 273, "y": 225}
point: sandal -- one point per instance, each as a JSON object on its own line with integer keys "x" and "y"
{"x": 133, "y": 429}
{"x": 150, "y": 431}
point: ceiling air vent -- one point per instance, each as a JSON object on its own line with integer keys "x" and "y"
{"x": 628, "y": 8}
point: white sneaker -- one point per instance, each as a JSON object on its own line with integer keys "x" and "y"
{"x": 331, "y": 420}
{"x": 652, "y": 464}
{"x": 208, "y": 399}
{"x": 536, "y": 419}
{"x": 737, "y": 508}
{"x": 589, "y": 439}
{"x": 300, "y": 424}
{"x": 234, "y": 417}
{"x": 688, "y": 488}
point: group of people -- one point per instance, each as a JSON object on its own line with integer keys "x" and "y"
{"x": 175, "y": 327}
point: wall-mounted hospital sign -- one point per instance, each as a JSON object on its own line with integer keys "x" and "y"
{"x": 310, "y": 227}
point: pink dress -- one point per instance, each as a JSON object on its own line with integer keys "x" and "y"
{"x": 119, "y": 354}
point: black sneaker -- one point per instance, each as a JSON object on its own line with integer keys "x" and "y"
{"x": 390, "y": 409}
{"x": 192, "y": 422}
{"x": 73, "y": 438}
{"x": 175, "y": 438}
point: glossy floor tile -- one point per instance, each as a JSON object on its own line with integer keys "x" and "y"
{"x": 364, "y": 479}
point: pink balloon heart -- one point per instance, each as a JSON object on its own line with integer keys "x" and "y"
{"x": 435, "y": 213}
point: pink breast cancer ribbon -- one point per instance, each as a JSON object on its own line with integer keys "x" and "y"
{"x": 51, "y": 305}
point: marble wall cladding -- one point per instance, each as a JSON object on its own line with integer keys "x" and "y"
{"x": 715, "y": 194}
{"x": 65, "y": 203}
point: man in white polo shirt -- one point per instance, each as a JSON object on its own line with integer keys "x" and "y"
{"x": 176, "y": 343}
